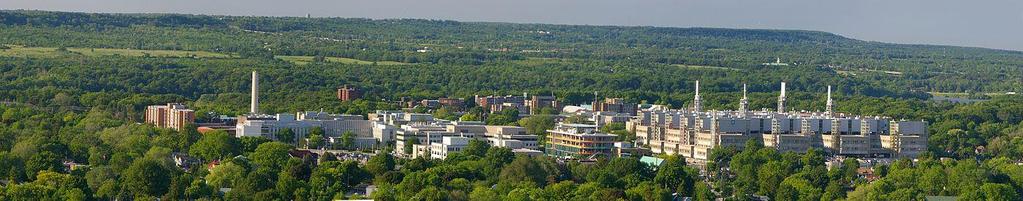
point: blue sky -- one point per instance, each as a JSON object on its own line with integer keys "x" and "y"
{"x": 978, "y": 23}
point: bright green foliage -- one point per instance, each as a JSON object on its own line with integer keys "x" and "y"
{"x": 146, "y": 178}
{"x": 215, "y": 145}
{"x": 74, "y": 84}
{"x": 315, "y": 139}
{"x": 271, "y": 155}
{"x": 380, "y": 163}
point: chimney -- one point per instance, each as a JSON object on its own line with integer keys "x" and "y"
{"x": 697, "y": 102}
{"x": 254, "y": 105}
{"x": 781, "y": 99}
{"x": 744, "y": 102}
{"x": 830, "y": 106}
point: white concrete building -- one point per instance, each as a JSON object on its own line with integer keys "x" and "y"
{"x": 333, "y": 126}
{"x": 440, "y": 150}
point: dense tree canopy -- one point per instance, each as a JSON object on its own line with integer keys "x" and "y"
{"x": 74, "y": 86}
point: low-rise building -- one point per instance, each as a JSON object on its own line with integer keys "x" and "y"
{"x": 448, "y": 144}
{"x": 579, "y": 141}
{"x": 333, "y": 126}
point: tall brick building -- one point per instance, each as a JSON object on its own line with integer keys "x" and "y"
{"x": 172, "y": 115}
{"x": 348, "y": 93}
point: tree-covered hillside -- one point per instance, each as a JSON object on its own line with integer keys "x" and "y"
{"x": 73, "y": 87}
{"x": 823, "y": 58}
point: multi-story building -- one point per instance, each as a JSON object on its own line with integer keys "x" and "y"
{"x": 440, "y": 150}
{"x": 535, "y": 103}
{"x": 525, "y": 104}
{"x": 617, "y": 105}
{"x": 604, "y": 118}
{"x": 173, "y": 115}
{"x": 414, "y": 140}
{"x": 421, "y": 140}
{"x": 398, "y": 118}
{"x": 348, "y": 93}
{"x": 693, "y": 133}
{"x": 512, "y": 137}
{"x": 451, "y": 103}
{"x": 332, "y": 125}
{"x": 579, "y": 141}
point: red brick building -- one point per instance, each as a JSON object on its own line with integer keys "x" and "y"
{"x": 347, "y": 93}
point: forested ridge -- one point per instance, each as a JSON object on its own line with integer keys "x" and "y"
{"x": 73, "y": 87}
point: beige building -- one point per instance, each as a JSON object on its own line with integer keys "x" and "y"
{"x": 693, "y": 133}
{"x": 173, "y": 115}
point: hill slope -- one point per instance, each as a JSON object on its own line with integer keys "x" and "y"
{"x": 466, "y": 58}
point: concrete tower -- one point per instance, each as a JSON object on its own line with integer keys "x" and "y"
{"x": 831, "y": 106}
{"x": 744, "y": 102}
{"x": 697, "y": 102}
{"x": 781, "y": 99}
{"x": 254, "y": 105}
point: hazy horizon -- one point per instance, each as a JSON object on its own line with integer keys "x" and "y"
{"x": 995, "y": 24}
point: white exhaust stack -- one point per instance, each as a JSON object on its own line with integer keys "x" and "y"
{"x": 830, "y": 103}
{"x": 697, "y": 102}
{"x": 781, "y": 99}
{"x": 254, "y": 105}
{"x": 744, "y": 102}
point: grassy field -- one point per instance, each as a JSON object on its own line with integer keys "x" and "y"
{"x": 705, "y": 67}
{"x": 49, "y": 52}
{"x": 963, "y": 94}
{"x": 302, "y": 60}
{"x": 539, "y": 61}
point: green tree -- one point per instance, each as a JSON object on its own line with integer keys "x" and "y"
{"x": 271, "y": 155}
{"x": 250, "y": 143}
{"x": 993, "y": 191}
{"x": 523, "y": 169}
{"x": 348, "y": 140}
{"x": 285, "y": 136}
{"x": 315, "y": 138}
{"x": 674, "y": 176}
{"x": 215, "y": 145}
{"x": 445, "y": 113}
{"x": 476, "y": 148}
{"x": 469, "y": 117}
{"x": 380, "y": 163}
{"x": 43, "y": 161}
{"x": 146, "y": 178}
{"x": 648, "y": 191}
{"x": 796, "y": 188}
{"x": 332, "y": 178}
{"x": 225, "y": 175}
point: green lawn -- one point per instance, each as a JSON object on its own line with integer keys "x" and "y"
{"x": 302, "y": 60}
{"x": 539, "y": 61}
{"x": 49, "y": 52}
{"x": 706, "y": 67}
{"x": 36, "y": 52}
{"x": 152, "y": 53}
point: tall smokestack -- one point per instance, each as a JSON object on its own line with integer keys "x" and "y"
{"x": 781, "y": 98}
{"x": 254, "y": 105}
{"x": 697, "y": 102}
{"x": 744, "y": 102}
{"x": 830, "y": 109}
